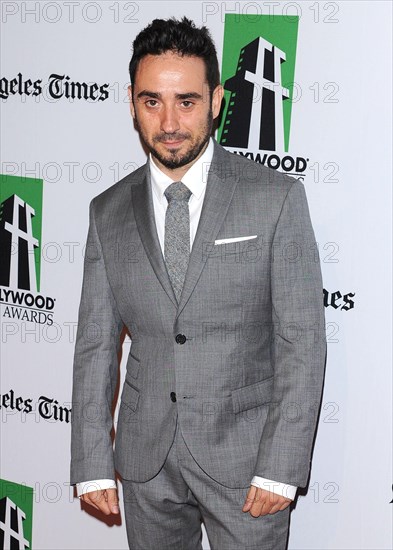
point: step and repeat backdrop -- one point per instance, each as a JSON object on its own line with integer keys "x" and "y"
{"x": 67, "y": 135}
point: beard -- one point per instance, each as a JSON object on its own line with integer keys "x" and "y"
{"x": 176, "y": 159}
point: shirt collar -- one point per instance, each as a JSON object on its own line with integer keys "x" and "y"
{"x": 195, "y": 178}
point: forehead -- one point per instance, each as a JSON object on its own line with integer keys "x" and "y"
{"x": 170, "y": 70}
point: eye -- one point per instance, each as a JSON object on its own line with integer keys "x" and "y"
{"x": 187, "y": 104}
{"x": 151, "y": 103}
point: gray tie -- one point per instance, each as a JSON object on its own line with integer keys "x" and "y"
{"x": 177, "y": 234}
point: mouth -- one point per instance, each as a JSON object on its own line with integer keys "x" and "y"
{"x": 172, "y": 143}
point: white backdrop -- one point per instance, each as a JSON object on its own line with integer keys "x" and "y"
{"x": 80, "y": 148}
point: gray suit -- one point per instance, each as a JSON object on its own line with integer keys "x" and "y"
{"x": 238, "y": 363}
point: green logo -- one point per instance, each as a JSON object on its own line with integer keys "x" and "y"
{"x": 20, "y": 232}
{"x": 258, "y": 69}
{"x": 16, "y": 515}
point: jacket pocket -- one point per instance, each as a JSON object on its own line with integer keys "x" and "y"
{"x": 133, "y": 365}
{"x": 252, "y": 396}
{"x": 130, "y": 395}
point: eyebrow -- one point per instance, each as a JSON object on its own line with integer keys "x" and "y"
{"x": 157, "y": 95}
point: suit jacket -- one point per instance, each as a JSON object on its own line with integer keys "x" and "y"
{"x": 238, "y": 362}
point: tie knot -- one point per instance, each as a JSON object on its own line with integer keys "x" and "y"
{"x": 177, "y": 191}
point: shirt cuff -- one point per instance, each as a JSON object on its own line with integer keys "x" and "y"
{"x": 94, "y": 485}
{"x": 288, "y": 491}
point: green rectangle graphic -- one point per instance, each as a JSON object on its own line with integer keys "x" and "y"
{"x": 258, "y": 69}
{"x": 16, "y": 515}
{"x": 20, "y": 232}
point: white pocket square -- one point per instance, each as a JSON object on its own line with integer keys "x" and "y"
{"x": 235, "y": 239}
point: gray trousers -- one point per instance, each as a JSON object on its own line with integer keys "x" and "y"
{"x": 166, "y": 512}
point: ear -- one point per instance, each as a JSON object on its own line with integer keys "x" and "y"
{"x": 218, "y": 94}
{"x": 132, "y": 108}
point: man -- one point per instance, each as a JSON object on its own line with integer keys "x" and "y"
{"x": 209, "y": 260}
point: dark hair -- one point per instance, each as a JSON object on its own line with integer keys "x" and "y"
{"x": 182, "y": 37}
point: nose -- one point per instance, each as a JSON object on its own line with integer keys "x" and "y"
{"x": 169, "y": 120}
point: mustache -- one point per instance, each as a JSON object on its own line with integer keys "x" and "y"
{"x": 170, "y": 137}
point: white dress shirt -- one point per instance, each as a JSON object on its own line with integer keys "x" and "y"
{"x": 195, "y": 179}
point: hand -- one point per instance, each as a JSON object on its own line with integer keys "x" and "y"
{"x": 260, "y": 502}
{"x": 105, "y": 500}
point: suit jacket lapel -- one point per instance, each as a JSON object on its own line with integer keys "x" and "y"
{"x": 220, "y": 187}
{"x": 144, "y": 215}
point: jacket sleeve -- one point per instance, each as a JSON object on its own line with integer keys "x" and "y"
{"x": 298, "y": 345}
{"x": 95, "y": 368}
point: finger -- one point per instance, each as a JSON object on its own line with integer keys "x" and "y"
{"x": 261, "y": 501}
{"x": 281, "y": 504}
{"x": 87, "y": 500}
{"x": 285, "y": 505}
{"x": 249, "y": 498}
{"x": 97, "y": 498}
{"x": 275, "y": 508}
{"x": 259, "y": 507}
{"x": 269, "y": 501}
{"x": 112, "y": 500}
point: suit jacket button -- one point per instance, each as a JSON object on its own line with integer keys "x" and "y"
{"x": 180, "y": 339}
{"x": 173, "y": 396}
